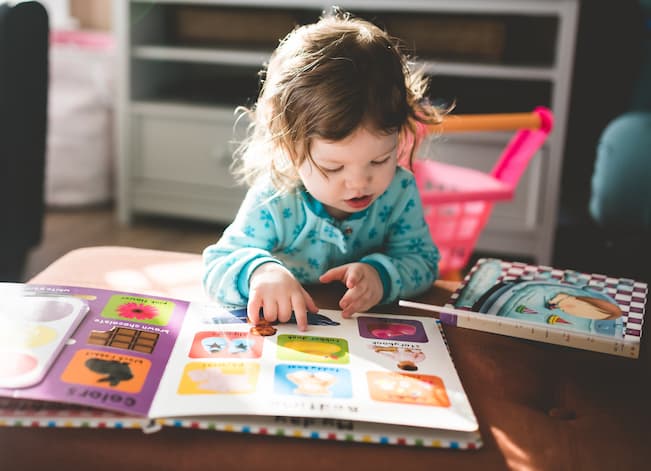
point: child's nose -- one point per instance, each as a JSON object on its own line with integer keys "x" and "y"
{"x": 358, "y": 180}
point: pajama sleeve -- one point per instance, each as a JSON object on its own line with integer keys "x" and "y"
{"x": 245, "y": 245}
{"x": 408, "y": 257}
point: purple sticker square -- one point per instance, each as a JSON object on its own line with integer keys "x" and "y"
{"x": 403, "y": 330}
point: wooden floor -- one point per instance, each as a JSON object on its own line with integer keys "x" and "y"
{"x": 68, "y": 229}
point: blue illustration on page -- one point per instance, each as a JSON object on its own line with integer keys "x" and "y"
{"x": 566, "y": 303}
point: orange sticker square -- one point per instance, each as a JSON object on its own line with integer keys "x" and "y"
{"x": 427, "y": 390}
{"x": 107, "y": 370}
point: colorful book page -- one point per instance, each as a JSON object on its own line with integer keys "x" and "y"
{"x": 115, "y": 357}
{"x": 375, "y": 368}
{"x": 156, "y": 357}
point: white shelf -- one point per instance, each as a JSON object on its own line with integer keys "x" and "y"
{"x": 508, "y": 72}
{"x": 178, "y": 109}
{"x": 236, "y": 57}
{"x": 256, "y": 58}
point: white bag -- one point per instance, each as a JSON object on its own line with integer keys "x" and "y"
{"x": 80, "y": 158}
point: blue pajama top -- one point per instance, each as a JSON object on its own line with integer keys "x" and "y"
{"x": 295, "y": 230}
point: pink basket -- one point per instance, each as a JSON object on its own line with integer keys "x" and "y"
{"x": 458, "y": 201}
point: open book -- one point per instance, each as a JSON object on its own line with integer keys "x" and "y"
{"x": 564, "y": 307}
{"x": 91, "y": 357}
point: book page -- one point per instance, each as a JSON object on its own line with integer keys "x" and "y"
{"x": 116, "y": 356}
{"x": 373, "y": 367}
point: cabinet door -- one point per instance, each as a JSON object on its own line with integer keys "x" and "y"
{"x": 180, "y": 163}
{"x": 184, "y": 150}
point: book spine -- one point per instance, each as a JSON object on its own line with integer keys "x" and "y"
{"x": 326, "y": 429}
{"x": 58, "y": 421}
{"x": 503, "y": 326}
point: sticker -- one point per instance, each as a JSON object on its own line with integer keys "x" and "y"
{"x": 407, "y": 388}
{"x": 226, "y": 345}
{"x": 219, "y": 378}
{"x": 314, "y": 381}
{"x": 404, "y": 330}
{"x": 139, "y": 309}
{"x": 313, "y": 349}
{"x": 124, "y": 338}
{"x": 404, "y": 358}
{"x": 263, "y": 329}
{"x": 107, "y": 370}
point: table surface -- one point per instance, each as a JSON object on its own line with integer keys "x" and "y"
{"x": 539, "y": 406}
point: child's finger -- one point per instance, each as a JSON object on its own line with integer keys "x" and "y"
{"x": 300, "y": 311}
{"x": 353, "y": 278}
{"x": 270, "y": 311}
{"x": 334, "y": 274}
{"x": 348, "y": 312}
{"x": 253, "y": 309}
{"x": 348, "y": 302}
{"x": 309, "y": 302}
{"x": 354, "y": 293}
{"x": 284, "y": 309}
{"x": 358, "y": 299}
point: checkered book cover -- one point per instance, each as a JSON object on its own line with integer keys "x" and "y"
{"x": 629, "y": 294}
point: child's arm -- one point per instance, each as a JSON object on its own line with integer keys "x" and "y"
{"x": 408, "y": 263}
{"x": 240, "y": 269}
{"x": 244, "y": 246}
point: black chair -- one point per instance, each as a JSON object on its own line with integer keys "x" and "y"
{"x": 24, "y": 52}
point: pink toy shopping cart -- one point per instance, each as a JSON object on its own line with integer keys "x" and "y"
{"x": 457, "y": 200}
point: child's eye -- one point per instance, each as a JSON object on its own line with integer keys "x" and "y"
{"x": 332, "y": 170}
{"x": 382, "y": 161}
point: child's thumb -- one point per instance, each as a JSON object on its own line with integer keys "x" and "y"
{"x": 334, "y": 274}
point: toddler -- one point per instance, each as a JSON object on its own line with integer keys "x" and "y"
{"x": 337, "y": 119}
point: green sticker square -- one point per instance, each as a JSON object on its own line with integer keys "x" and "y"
{"x": 138, "y": 309}
{"x": 314, "y": 349}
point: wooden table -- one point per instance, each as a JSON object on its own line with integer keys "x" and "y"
{"x": 539, "y": 406}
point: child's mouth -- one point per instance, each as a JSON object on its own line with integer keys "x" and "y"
{"x": 359, "y": 202}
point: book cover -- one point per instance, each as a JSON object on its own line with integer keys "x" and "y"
{"x": 148, "y": 361}
{"x": 565, "y": 307}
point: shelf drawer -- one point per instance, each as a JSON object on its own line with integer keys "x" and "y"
{"x": 183, "y": 149}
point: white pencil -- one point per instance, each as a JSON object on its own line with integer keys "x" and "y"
{"x": 451, "y": 315}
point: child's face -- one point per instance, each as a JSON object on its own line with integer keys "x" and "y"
{"x": 358, "y": 169}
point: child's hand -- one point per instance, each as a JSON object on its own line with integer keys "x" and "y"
{"x": 274, "y": 289}
{"x": 364, "y": 286}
